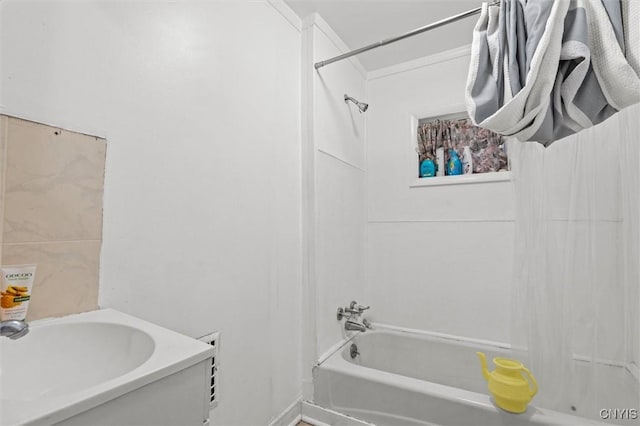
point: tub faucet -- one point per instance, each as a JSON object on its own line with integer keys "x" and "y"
{"x": 351, "y": 312}
{"x": 354, "y": 326}
{"x": 13, "y": 329}
{"x": 354, "y": 309}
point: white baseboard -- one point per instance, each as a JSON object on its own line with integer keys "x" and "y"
{"x": 312, "y": 421}
{"x": 296, "y": 420}
{"x": 290, "y": 416}
{"x": 319, "y": 416}
{"x": 315, "y": 415}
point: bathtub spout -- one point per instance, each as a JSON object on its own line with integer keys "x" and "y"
{"x": 13, "y": 329}
{"x": 354, "y": 326}
{"x": 367, "y": 323}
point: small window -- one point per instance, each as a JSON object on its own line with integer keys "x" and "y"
{"x": 453, "y": 145}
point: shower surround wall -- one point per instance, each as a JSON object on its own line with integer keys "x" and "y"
{"x": 334, "y": 188}
{"x": 448, "y": 250}
{"x": 200, "y": 103}
{"x": 51, "y": 186}
{"x": 439, "y": 257}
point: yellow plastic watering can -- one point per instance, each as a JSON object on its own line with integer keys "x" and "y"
{"x": 510, "y": 390}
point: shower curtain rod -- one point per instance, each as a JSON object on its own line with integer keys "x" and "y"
{"x": 417, "y": 31}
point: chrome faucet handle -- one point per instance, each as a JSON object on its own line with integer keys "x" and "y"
{"x": 344, "y": 313}
{"x": 354, "y": 309}
{"x": 360, "y": 308}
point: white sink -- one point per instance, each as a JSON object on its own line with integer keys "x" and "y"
{"x": 103, "y": 367}
{"x": 57, "y": 364}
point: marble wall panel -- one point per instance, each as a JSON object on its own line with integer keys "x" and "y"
{"x": 66, "y": 277}
{"x": 54, "y": 181}
{"x": 51, "y": 191}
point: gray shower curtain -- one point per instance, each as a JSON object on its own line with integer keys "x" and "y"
{"x": 541, "y": 70}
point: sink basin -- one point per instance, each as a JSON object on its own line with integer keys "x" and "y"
{"x": 103, "y": 367}
{"x": 67, "y": 358}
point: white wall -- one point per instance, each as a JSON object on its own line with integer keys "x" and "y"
{"x": 439, "y": 258}
{"x": 335, "y": 200}
{"x": 200, "y": 104}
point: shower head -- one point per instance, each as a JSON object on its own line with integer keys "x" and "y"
{"x": 361, "y": 105}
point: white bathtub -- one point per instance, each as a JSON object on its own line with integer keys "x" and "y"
{"x": 402, "y": 378}
{"x": 103, "y": 367}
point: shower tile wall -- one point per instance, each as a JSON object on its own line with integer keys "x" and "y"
{"x": 51, "y": 192}
{"x": 438, "y": 258}
{"x": 338, "y": 179}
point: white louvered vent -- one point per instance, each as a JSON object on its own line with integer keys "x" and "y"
{"x": 213, "y": 339}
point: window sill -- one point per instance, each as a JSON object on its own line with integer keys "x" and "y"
{"x": 462, "y": 179}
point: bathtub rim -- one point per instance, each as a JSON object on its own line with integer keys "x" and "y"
{"x": 632, "y": 369}
{"x": 337, "y": 362}
{"x": 382, "y": 327}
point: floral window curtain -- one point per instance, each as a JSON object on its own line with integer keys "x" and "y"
{"x": 487, "y": 148}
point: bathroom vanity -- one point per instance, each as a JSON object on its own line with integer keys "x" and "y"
{"x": 103, "y": 367}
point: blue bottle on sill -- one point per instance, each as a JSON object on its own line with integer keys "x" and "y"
{"x": 454, "y": 167}
{"x": 427, "y": 168}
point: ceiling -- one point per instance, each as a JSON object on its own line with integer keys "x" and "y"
{"x": 362, "y": 22}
